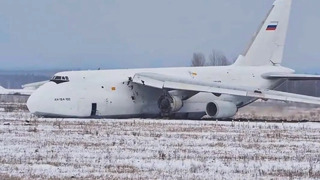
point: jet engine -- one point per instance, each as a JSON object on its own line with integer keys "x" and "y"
{"x": 221, "y": 109}
{"x": 169, "y": 104}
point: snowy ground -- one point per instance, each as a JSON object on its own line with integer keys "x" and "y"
{"x": 279, "y": 111}
{"x": 156, "y": 149}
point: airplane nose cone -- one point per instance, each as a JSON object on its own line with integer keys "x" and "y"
{"x": 38, "y": 103}
{"x": 34, "y": 102}
{"x": 31, "y": 103}
{"x": 53, "y": 100}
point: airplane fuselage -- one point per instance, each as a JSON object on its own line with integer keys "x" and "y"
{"x": 110, "y": 93}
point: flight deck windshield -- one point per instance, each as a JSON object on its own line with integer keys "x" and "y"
{"x": 60, "y": 79}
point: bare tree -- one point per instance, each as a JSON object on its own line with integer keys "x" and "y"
{"x": 217, "y": 58}
{"x": 198, "y": 59}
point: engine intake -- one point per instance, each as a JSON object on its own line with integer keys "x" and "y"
{"x": 221, "y": 109}
{"x": 169, "y": 104}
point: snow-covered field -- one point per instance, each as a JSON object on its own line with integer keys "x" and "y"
{"x": 156, "y": 149}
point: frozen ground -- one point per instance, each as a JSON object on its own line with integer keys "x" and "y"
{"x": 156, "y": 149}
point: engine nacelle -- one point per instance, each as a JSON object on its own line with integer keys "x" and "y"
{"x": 221, "y": 109}
{"x": 169, "y": 104}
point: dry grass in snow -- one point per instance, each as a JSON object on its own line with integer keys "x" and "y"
{"x": 156, "y": 149}
{"x": 279, "y": 111}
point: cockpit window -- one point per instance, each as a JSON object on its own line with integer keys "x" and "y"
{"x": 60, "y": 79}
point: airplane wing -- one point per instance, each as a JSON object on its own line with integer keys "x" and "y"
{"x": 20, "y": 92}
{"x": 173, "y": 83}
{"x": 27, "y": 90}
{"x": 292, "y": 76}
{"x": 33, "y": 86}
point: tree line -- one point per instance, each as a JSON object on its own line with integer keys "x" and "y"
{"x": 216, "y": 58}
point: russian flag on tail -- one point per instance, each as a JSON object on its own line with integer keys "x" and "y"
{"x": 272, "y": 26}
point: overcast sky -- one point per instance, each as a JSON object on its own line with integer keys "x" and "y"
{"x": 91, "y": 34}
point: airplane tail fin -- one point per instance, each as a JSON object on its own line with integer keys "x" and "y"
{"x": 267, "y": 46}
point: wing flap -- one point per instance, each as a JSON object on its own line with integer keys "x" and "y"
{"x": 300, "y": 77}
{"x": 166, "y": 82}
{"x": 290, "y": 97}
{"x": 201, "y": 88}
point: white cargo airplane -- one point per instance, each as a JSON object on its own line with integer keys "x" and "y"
{"x": 188, "y": 92}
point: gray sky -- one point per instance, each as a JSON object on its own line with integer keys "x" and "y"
{"x": 88, "y": 34}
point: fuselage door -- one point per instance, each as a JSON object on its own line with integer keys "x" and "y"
{"x": 93, "y": 109}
